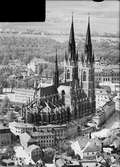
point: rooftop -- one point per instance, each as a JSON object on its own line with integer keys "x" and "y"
{"x": 2, "y": 127}
{"x": 32, "y": 147}
{"x": 21, "y": 125}
{"x": 44, "y": 133}
{"x": 92, "y": 147}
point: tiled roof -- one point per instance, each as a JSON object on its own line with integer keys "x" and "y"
{"x": 3, "y": 127}
{"x": 47, "y": 91}
{"x": 37, "y": 134}
{"x": 82, "y": 142}
{"x": 92, "y": 147}
{"x": 32, "y": 147}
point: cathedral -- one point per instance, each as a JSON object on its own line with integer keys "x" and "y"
{"x": 72, "y": 99}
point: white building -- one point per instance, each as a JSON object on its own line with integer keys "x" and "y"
{"x": 102, "y": 96}
{"x": 35, "y": 64}
{"x": 115, "y": 87}
{"x": 23, "y": 95}
{"x": 117, "y": 102}
{"x": 25, "y": 156}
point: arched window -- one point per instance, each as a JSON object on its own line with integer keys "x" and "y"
{"x": 68, "y": 74}
{"x": 63, "y": 92}
{"x": 84, "y": 76}
{"x": 63, "y": 96}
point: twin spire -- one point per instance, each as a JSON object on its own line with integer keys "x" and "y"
{"x": 72, "y": 55}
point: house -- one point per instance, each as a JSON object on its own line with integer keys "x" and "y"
{"x": 117, "y": 102}
{"x": 102, "y": 96}
{"x": 35, "y": 64}
{"x": 25, "y": 156}
{"x": 7, "y": 162}
{"x": 90, "y": 163}
{"x": 5, "y": 136}
{"x": 109, "y": 73}
{"x": 24, "y": 138}
{"x": 91, "y": 150}
{"x": 23, "y": 95}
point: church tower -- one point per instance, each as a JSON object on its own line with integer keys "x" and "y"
{"x": 71, "y": 58}
{"x": 86, "y": 70}
{"x": 56, "y": 73}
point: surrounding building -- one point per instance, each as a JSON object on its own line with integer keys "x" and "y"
{"x": 5, "y": 136}
{"x": 45, "y": 136}
{"x": 109, "y": 73}
{"x": 117, "y": 102}
{"x": 115, "y": 87}
{"x": 44, "y": 139}
{"x": 34, "y": 152}
{"x": 90, "y": 163}
{"x": 103, "y": 113}
{"x": 61, "y": 161}
{"x": 26, "y": 156}
{"x": 23, "y": 95}
{"x": 91, "y": 150}
{"x": 102, "y": 96}
{"x": 36, "y": 64}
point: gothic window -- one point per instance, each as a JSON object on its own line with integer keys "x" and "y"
{"x": 63, "y": 96}
{"x": 63, "y": 93}
{"x": 84, "y": 76}
{"x": 68, "y": 74}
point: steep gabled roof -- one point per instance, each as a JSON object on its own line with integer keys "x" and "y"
{"x": 92, "y": 147}
{"x": 47, "y": 91}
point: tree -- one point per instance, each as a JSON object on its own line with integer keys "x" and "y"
{"x": 17, "y": 108}
{"x": 70, "y": 152}
{"x": 11, "y": 116}
{"x": 5, "y": 60}
{"x": 48, "y": 155}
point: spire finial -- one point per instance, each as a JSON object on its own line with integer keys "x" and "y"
{"x": 56, "y": 58}
{"x": 56, "y": 50}
{"x": 88, "y": 18}
{"x": 72, "y": 16}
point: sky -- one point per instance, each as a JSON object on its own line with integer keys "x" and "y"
{"x": 104, "y": 17}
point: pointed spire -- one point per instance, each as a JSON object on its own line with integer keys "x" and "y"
{"x": 56, "y": 74}
{"x": 71, "y": 45}
{"x": 93, "y": 58}
{"x": 56, "y": 61}
{"x": 88, "y": 43}
{"x": 88, "y": 35}
{"x": 77, "y": 55}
